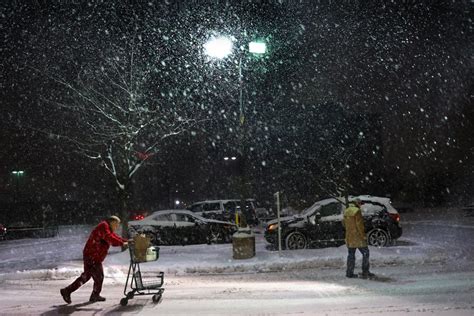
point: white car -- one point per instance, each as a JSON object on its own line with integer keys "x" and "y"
{"x": 181, "y": 227}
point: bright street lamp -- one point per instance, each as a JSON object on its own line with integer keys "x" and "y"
{"x": 218, "y": 47}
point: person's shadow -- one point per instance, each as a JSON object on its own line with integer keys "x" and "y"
{"x": 66, "y": 309}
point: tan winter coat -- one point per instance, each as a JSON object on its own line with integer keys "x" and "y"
{"x": 354, "y": 224}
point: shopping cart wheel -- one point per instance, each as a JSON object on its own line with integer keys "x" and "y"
{"x": 124, "y": 301}
{"x": 156, "y": 298}
{"x": 130, "y": 295}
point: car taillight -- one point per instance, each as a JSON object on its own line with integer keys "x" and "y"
{"x": 395, "y": 217}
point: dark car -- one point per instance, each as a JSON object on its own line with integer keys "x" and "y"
{"x": 182, "y": 227}
{"x": 321, "y": 224}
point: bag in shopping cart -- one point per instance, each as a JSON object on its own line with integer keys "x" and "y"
{"x": 141, "y": 243}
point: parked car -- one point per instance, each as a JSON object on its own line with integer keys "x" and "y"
{"x": 265, "y": 215}
{"x": 321, "y": 224}
{"x": 3, "y": 232}
{"x": 225, "y": 209}
{"x": 182, "y": 227}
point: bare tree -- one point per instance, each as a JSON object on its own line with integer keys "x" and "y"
{"x": 113, "y": 115}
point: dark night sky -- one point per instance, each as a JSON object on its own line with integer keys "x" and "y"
{"x": 407, "y": 64}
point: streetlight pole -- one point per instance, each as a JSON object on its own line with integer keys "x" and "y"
{"x": 221, "y": 47}
{"x": 241, "y": 93}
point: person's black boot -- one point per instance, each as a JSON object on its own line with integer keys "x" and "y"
{"x": 352, "y": 276}
{"x": 96, "y": 298}
{"x": 66, "y": 295}
{"x": 367, "y": 275}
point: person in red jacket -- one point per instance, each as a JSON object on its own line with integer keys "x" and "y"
{"x": 95, "y": 251}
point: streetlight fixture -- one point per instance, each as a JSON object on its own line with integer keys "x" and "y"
{"x": 17, "y": 174}
{"x": 257, "y": 47}
{"x": 218, "y": 47}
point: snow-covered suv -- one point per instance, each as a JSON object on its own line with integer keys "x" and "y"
{"x": 225, "y": 209}
{"x": 321, "y": 224}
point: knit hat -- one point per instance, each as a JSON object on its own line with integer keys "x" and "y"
{"x": 113, "y": 218}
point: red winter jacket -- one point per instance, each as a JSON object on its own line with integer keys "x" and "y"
{"x": 99, "y": 242}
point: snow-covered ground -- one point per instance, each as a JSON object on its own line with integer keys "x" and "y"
{"x": 429, "y": 271}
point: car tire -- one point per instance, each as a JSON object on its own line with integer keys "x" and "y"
{"x": 215, "y": 236}
{"x": 378, "y": 237}
{"x": 295, "y": 240}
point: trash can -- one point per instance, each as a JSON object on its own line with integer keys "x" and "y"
{"x": 243, "y": 244}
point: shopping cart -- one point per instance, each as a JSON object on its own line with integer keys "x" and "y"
{"x": 139, "y": 286}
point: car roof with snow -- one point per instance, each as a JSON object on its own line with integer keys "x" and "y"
{"x": 164, "y": 212}
{"x": 176, "y": 211}
{"x": 223, "y": 201}
{"x": 376, "y": 199}
{"x": 151, "y": 217}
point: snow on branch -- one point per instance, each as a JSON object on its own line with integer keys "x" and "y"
{"x": 111, "y": 111}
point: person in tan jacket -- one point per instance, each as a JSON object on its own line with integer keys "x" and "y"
{"x": 356, "y": 239}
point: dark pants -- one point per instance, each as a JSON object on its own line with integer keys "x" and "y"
{"x": 91, "y": 270}
{"x": 351, "y": 260}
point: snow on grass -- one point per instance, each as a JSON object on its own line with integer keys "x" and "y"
{"x": 61, "y": 257}
{"x": 217, "y": 259}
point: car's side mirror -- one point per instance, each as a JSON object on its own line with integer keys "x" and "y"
{"x": 312, "y": 220}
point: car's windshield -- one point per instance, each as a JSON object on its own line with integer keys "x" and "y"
{"x": 311, "y": 210}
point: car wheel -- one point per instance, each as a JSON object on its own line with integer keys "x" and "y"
{"x": 295, "y": 240}
{"x": 227, "y": 237}
{"x": 378, "y": 237}
{"x": 215, "y": 236}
